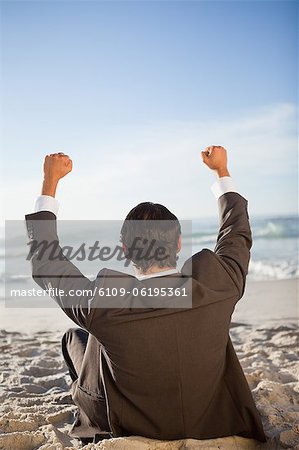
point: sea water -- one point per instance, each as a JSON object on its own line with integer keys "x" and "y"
{"x": 274, "y": 253}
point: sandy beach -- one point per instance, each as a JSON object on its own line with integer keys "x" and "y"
{"x": 36, "y": 409}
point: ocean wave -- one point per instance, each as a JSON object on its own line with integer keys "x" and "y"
{"x": 270, "y": 228}
{"x": 21, "y": 278}
{"x": 261, "y": 270}
{"x": 258, "y": 270}
{"x": 201, "y": 238}
{"x": 277, "y": 229}
{"x": 13, "y": 278}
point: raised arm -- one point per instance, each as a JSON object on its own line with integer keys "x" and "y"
{"x": 234, "y": 237}
{"x": 50, "y": 269}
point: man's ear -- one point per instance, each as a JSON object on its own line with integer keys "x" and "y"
{"x": 125, "y": 250}
{"x": 179, "y": 244}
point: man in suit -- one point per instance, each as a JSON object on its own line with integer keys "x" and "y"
{"x": 166, "y": 372}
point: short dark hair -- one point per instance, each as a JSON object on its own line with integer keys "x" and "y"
{"x": 157, "y": 228}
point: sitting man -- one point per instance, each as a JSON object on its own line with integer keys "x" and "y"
{"x": 161, "y": 372}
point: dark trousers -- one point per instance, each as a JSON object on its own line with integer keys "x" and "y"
{"x": 92, "y": 415}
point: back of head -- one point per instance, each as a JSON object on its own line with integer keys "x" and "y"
{"x": 150, "y": 235}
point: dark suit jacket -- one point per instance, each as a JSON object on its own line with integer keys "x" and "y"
{"x": 168, "y": 373}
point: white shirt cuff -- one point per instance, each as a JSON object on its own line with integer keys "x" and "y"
{"x": 46, "y": 203}
{"x": 223, "y": 185}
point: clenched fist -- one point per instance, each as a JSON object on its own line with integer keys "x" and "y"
{"x": 57, "y": 165}
{"x": 215, "y": 157}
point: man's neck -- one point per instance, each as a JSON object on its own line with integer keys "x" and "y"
{"x": 154, "y": 272}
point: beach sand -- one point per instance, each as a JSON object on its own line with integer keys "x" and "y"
{"x": 36, "y": 409}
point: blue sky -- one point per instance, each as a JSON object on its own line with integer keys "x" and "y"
{"x": 133, "y": 90}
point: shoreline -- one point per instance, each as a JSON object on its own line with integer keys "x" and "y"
{"x": 270, "y": 302}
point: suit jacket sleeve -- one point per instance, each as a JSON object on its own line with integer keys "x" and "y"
{"x": 52, "y": 271}
{"x": 222, "y": 272}
{"x": 234, "y": 239}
